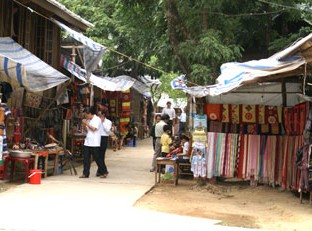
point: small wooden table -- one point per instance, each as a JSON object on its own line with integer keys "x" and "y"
{"x": 165, "y": 161}
{"x": 46, "y": 153}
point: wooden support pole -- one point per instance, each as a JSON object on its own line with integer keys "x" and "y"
{"x": 284, "y": 93}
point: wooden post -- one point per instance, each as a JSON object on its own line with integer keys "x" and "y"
{"x": 284, "y": 93}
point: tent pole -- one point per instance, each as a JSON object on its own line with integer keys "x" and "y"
{"x": 57, "y": 95}
{"x": 284, "y": 93}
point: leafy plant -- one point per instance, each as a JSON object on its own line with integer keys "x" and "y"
{"x": 167, "y": 176}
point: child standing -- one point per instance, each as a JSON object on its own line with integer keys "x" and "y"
{"x": 166, "y": 140}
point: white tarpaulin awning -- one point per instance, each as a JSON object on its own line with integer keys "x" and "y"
{"x": 29, "y": 71}
{"x": 234, "y": 74}
{"x": 140, "y": 87}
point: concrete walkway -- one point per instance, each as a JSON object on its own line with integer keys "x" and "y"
{"x": 66, "y": 202}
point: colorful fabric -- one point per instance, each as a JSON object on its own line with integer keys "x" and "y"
{"x": 271, "y": 115}
{"x": 261, "y": 114}
{"x": 199, "y": 167}
{"x": 215, "y": 126}
{"x": 264, "y": 128}
{"x": 235, "y": 113}
{"x": 211, "y": 144}
{"x": 275, "y": 129}
{"x": 123, "y": 125}
{"x": 296, "y": 120}
{"x": 126, "y": 105}
{"x": 249, "y": 114}
{"x": 32, "y": 100}
{"x": 251, "y": 129}
{"x": 303, "y": 117}
{"x": 288, "y": 120}
{"x": 226, "y": 113}
{"x": 280, "y": 114}
{"x": 214, "y": 111}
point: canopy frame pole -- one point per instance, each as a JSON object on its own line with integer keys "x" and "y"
{"x": 284, "y": 93}
{"x": 304, "y": 79}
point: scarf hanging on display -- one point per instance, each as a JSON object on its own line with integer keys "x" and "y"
{"x": 210, "y": 157}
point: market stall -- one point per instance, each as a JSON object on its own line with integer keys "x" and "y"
{"x": 259, "y": 117}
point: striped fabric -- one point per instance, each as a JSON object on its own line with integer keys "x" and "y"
{"x": 92, "y": 51}
{"x": 101, "y": 82}
{"x": 11, "y": 68}
{"x": 29, "y": 71}
{"x": 271, "y": 159}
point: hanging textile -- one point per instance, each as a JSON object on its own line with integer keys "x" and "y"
{"x": 235, "y": 113}
{"x": 271, "y": 115}
{"x": 126, "y": 101}
{"x": 211, "y": 144}
{"x": 261, "y": 114}
{"x": 214, "y": 111}
{"x": 226, "y": 113}
{"x": 230, "y": 155}
{"x": 249, "y": 114}
{"x": 288, "y": 120}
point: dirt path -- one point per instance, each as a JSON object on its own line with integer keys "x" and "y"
{"x": 240, "y": 205}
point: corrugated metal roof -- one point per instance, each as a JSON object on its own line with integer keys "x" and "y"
{"x": 67, "y": 11}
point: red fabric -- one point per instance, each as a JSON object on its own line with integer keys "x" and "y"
{"x": 241, "y": 157}
{"x": 214, "y": 111}
{"x": 271, "y": 115}
{"x": 303, "y": 117}
{"x": 288, "y": 120}
{"x": 296, "y": 120}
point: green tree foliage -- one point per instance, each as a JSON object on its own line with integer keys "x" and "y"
{"x": 190, "y": 37}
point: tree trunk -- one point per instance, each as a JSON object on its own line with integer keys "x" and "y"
{"x": 174, "y": 25}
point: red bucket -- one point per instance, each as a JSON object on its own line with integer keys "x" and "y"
{"x": 35, "y": 176}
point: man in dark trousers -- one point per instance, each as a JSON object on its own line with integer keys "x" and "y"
{"x": 91, "y": 146}
{"x": 158, "y": 132}
{"x": 105, "y": 128}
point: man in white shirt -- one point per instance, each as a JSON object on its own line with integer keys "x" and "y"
{"x": 92, "y": 142}
{"x": 172, "y": 115}
{"x": 105, "y": 128}
{"x": 182, "y": 122}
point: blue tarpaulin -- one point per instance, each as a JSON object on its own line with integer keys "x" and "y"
{"x": 27, "y": 69}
